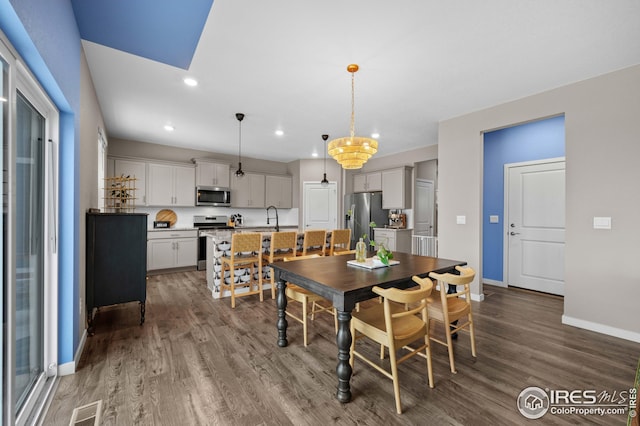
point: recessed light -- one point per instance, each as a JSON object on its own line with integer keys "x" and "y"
{"x": 169, "y": 128}
{"x": 314, "y": 154}
{"x": 190, "y": 81}
{"x": 279, "y": 133}
{"x": 375, "y": 135}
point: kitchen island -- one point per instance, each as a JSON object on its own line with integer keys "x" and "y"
{"x": 219, "y": 244}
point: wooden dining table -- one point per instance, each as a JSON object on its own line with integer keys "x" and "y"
{"x": 345, "y": 285}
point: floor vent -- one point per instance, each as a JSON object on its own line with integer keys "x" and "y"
{"x": 87, "y": 415}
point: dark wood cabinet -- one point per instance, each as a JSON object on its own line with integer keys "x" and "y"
{"x": 116, "y": 261}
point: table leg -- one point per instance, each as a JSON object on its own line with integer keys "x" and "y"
{"x": 281, "y": 302}
{"x": 343, "y": 370}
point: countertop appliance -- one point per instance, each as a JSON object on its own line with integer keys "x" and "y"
{"x": 237, "y": 219}
{"x": 204, "y": 223}
{"x": 213, "y": 196}
{"x": 361, "y": 209}
{"x": 397, "y": 219}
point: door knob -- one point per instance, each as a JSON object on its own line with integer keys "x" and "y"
{"x": 513, "y": 225}
{"x": 514, "y": 233}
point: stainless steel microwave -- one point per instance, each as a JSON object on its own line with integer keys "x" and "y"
{"x": 213, "y": 196}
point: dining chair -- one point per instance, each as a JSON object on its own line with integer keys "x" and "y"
{"x": 450, "y": 308}
{"x": 283, "y": 244}
{"x": 314, "y": 242}
{"x": 393, "y": 326}
{"x": 245, "y": 253}
{"x": 305, "y": 297}
{"x": 340, "y": 241}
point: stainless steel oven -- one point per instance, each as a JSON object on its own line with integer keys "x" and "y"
{"x": 204, "y": 223}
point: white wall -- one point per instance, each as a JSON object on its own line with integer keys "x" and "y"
{"x": 602, "y": 124}
{"x": 90, "y": 120}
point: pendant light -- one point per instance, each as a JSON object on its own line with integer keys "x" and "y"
{"x": 324, "y": 181}
{"x": 240, "y": 117}
{"x": 352, "y": 151}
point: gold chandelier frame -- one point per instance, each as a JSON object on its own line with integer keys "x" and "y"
{"x": 352, "y": 151}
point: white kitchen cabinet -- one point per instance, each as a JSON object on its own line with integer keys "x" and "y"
{"x": 367, "y": 182}
{"x": 394, "y": 239}
{"x": 248, "y": 191}
{"x": 278, "y": 191}
{"x": 134, "y": 168}
{"x": 171, "y": 185}
{"x": 172, "y": 249}
{"x": 212, "y": 174}
{"x": 396, "y": 188}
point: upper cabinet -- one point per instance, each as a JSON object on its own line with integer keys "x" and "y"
{"x": 278, "y": 191}
{"x": 396, "y": 188}
{"x": 212, "y": 174}
{"x": 367, "y": 182}
{"x": 248, "y": 191}
{"x": 137, "y": 170}
{"x": 171, "y": 185}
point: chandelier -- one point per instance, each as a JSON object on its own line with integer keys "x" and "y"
{"x": 351, "y": 152}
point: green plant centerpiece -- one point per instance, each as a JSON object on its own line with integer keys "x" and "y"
{"x": 382, "y": 252}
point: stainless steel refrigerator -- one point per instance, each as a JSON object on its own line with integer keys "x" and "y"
{"x": 361, "y": 209}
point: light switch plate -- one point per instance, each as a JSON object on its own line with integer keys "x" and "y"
{"x": 601, "y": 223}
{"x": 461, "y": 220}
{"x": 494, "y": 218}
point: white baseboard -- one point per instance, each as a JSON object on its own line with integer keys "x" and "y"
{"x": 477, "y": 297}
{"x": 494, "y": 283}
{"x": 601, "y": 328}
{"x": 70, "y": 367}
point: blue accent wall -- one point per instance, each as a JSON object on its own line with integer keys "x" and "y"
{"x": 45, "y": 34}
{"x": 527, "y": 142}
{"x": 166, "y": 31}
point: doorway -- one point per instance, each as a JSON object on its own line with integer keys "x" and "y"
{"x": 424, "y": 208}
{"x": 320, "y": 204}
{"x": 535, "y": 225}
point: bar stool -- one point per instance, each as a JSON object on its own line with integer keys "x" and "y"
{"x": 314, "y": 242}
{"x": 304, "y": 297}
{"x": 246, "y": 252}
{"x": 340, "y": 241}
{"x": 283, "y": 244}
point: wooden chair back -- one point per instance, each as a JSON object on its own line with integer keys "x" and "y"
{"x": 314, "y": 242}
{"x": 243, "y": 244}
{"x": 340, "y": 241}
{"x": 282, "y": 244}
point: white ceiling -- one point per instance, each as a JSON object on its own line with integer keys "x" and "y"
{"x": 283, "y": 63}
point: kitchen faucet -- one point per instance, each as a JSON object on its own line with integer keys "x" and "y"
{"x": 277, "y": 223}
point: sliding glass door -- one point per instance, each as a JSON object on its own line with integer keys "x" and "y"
{"x": 29, "y": 251}
{"x": 28, "y": 124}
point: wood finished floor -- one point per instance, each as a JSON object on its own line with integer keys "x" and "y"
{"x": 198, "y": 362}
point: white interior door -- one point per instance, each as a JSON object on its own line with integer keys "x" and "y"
{"x": 320, "y": 206}
{"x": 535, "y": 225}
{"x": 424, "y": 207}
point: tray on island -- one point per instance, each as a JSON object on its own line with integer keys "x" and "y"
{"x": 371, "y": 263}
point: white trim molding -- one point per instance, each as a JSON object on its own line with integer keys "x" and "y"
{"x": 601, "y": 328}
{"x": 494, "y": 283}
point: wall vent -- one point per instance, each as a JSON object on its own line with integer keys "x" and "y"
{"x": 87, "y": 415}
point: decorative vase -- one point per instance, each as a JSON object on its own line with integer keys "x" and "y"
{"x": 361, "y": 251}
